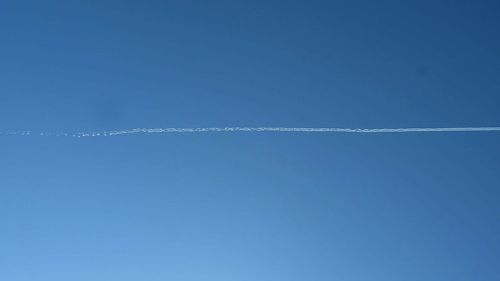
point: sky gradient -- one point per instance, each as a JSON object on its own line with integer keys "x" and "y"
{"x": 247, "y": 206}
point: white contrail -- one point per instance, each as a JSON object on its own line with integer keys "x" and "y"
{"x": 252, "y": 129}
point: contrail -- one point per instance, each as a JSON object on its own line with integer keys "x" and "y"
{"x": 253, "y": 130}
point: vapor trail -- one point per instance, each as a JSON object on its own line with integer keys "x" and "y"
{"x": 253, "y": 129}
{"x": 293, "y": 129}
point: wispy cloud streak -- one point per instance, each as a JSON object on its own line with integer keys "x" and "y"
{"x": 253, "y": 130}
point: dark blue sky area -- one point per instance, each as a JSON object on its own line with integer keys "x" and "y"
{"x": 100, "y": 64}
{"x": 249, "y": 206}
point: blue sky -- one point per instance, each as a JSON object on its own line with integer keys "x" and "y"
{"x": 249, "y": 206}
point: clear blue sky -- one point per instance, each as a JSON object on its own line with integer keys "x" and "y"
{"x": 249, "y": 206}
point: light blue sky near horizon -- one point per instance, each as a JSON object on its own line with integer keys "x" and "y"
{"x": 249, "y": 206}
